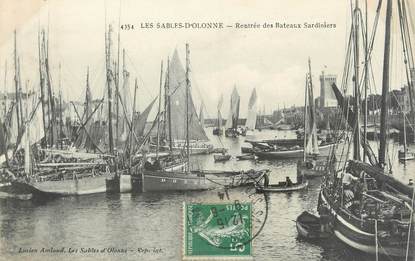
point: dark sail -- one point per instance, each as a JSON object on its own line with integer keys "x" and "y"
{"x": 177, "y": 88}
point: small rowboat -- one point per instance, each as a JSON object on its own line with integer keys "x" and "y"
{"x": 247, "y": 150}
{"x": 309, "y": 226}
{"x": 282, "y": 187}
{"x": 5, "y": 195}
{"x": 221, "y": 157}
{"x": 247, "y": 157}
{"x": 324, "y": 150}
{"x": 406, "y": 155}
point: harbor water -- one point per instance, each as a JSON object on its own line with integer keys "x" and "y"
{"x": 149, "y": 226}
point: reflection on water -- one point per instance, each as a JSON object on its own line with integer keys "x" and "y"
{"x": 149, "y": 221}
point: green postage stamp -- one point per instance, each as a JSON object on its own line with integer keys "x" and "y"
{"x": 217, "y": 230}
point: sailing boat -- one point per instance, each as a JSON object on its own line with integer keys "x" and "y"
{"x": 370, "y": 210}
{"x": 218, "y": 130}
{"x": 176, "y": 86}
{"x": 233, "y": 118}
{"x": 82, "y": 175}
{"x": 405, "y": 154}
{"x": 155, "y": 177}
{"x": 309, "y": 166}
{"x": 251, "y": 120}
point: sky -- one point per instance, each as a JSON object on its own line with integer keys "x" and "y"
{"x": 274, "y": 61}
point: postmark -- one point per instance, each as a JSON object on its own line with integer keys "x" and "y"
{"x": 225, "y": 215}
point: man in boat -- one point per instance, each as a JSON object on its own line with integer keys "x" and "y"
{"x": 300, "y": 177}
{"x": 288, "y": 182}
{"x": 324, "y": 219}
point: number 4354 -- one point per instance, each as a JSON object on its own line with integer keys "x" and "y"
{"x": 127, "y": 27}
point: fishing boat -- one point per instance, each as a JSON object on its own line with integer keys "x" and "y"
{"x": 405, "y": 153}
{"x": 282, "y": 187}
{"x": 251, "y": 119}
{"x": 371, "y": 210}
{"x": 309, "y": 226}
{"x": 295, "y": 152}
{"x": 309, "y": 166}
{"x": 42, "y": 175}
{"x": 218, "y": 131}
{"x": 221, "y": 157}
{"x": 155, "y": 177}
{"x": 313, "y": 168}
{"x": 162, "y": 181}
{"x": 220, "y": 150}
{"x": 277, "y": 142}
{"x": 231, "y": 127}
{"x": 246, "y": 149}
{"x": 172, "y": 131}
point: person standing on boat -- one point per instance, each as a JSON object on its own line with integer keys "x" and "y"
{"x": 288, "y": 182}
{"x": 300, "y": 177}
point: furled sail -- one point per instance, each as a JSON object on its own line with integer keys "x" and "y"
{"x": 82, "y": 138}
{"x": 12, "y": 126}
{"x": 177, "y": 93}
{"x": 125, "y": 106}
{"x": 310, "y": 128}
{"x": 233, "y": 117}
{"x": 252, "y": 111}
{"x": 219, "y": 112}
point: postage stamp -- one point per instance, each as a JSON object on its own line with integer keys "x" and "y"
{"x": 222, "y": 230}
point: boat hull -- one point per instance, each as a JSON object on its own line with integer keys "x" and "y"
{"x": 282, "y": 188}
{"x": 310, "y": 227}
{"x": 356, "y": 238}
{"x": 221, "y": 158}
{"x": 69, "y": 187}
{"x": 156, "y": 181}
{"x": 311, "y": 171}
{"x": 292, "y": 154}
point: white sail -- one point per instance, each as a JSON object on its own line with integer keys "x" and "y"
{"x": 35, "y": 125}
{"x": 252, "y": 111}
{"x": 233, "y": 117}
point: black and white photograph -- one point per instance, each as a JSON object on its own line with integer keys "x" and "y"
{"x": 207, "y": 130}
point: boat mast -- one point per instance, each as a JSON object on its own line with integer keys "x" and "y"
{"x": 159, "y": 109}
{"x": 5, "y": 113}
{"x": 16, "y": 83}
{"x": 132, "y": 123}
{"x": 385, "y": 86}
{"x": 5, "y": 89}
{"x": 27, "y": 142}
{"x": 356, "y": 138}
{"x": 169, "y": 104}
{"x": 43, "y": 97}
{"x": 165, "y": 106}
{"x": 117, "y": 76}
{"x": 305, "y": 118}
{"x": 404, "y": 126}
{"x": 60, "y": 109}
{"x": 108, "y": 82}
{"x": 187, "y": 105}
{"x": 365, "y": 84}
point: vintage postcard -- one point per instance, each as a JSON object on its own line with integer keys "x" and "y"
{"x": 207, "y": 130}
